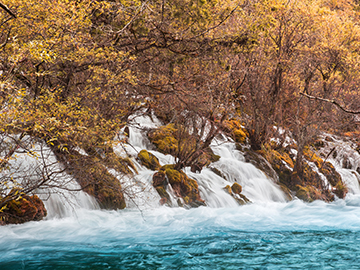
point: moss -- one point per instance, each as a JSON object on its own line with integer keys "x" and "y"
{"x": 303, "y": 194}
{"x": 278, "y": 159}
{"x": 236, "y": 188}
{"x": 94, "y": 178}
{"x": 312, "y": 157}
{"x": 186, "y": 199}
{"x": 22, "y": 209}
{"x": 174, "y": 176}
{"x": 183, "y": 186}
{"x": 228, "y": 189}
{"x": 163, "y": 194}
{"x": 235, "y": 192}
{"x": 164, "y": 138}
{"x": 331, "y": 174}
{"x": 234, "y": 126}
{"x": 340, "y": 190}
{"x": 148, "y": 160}
{"x": 310, "y": 193}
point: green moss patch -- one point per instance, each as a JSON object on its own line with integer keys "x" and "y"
{"x": 148, "y": 160}
{"x": 183, "y": 186}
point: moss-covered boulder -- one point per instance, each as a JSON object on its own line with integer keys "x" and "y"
{"x": 95, "y": 179}
{"x": 182, "y": 186}
{"x": 235, "y": 192}
{"x": 238, "y": 132}
{"x": 23, "y": 209}
{"x": 340, "y": 190}
{"x": 148, "y": 160}
{"x": 281, "y": 162}
{"x": 164, "y": 138}
{"x": 310, "y": 193}
{"x": 178, "y": 142}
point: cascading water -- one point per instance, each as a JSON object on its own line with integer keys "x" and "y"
{"x": 345, "y": 159}
{"x": 232, "y": 165}
{"x": 268, "y": 233}
{"x": 62, "y": 196}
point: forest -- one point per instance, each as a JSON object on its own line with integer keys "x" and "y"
{"x": 73, "y": 73}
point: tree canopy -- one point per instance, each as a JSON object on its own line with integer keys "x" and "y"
{"x": 72, "y": 72}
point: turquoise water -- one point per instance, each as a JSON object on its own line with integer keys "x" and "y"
{"x": 291, "y": 235}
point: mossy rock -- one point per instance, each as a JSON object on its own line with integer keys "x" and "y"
{"x": 303, "y": 193}
{"x": 123, "y": 165}
{"x": 313, "y": 157}
{"x": 174, "y": 176}
{"x": 95, "y": 179}
{"x": 310, "y": 193}
{"x": 331, "y": 174}
{"x": 236, "y": 188}
{"x": 239, "y": 133}
{"x": 164, "y": 138}
{"x": 278, "y": 159}
{"x": 235, "y": 192}
{"x": 183, "y": 186}
{"x": 148, "y": 160}
{"x": 340, "y": 190}
{"x": 23, "y": 209}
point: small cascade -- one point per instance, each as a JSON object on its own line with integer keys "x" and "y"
{"x": 212, "y": 181}
{"x": 61, "y": 194}
{"x": 346, "y": 160}
{"x": 256, "y": 186}
{"x": 61, "y": 203}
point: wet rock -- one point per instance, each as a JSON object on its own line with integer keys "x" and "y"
{"x": 148, "y": 160}
{"x": 238, "y": 132}
{"x": 235, "y": 192}
{"x": 23, "y": 209}
{"x": 236, "y": 188}
{"x": 96, "y": 180}
{"x": 164, "y": 138}
{"x": 182, "y": 186}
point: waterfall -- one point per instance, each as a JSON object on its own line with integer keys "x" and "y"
{"x": 62, "y": 195}
{"x": 232, "y": 166}
{"x": 346, "y": 160}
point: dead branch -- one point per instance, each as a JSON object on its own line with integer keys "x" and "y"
{"x": 330, "y": 101}
{"x": 7, "y": 10}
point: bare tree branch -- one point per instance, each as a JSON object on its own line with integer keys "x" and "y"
{"x": 330, "y": 101}
{"x": 7, "y": 10}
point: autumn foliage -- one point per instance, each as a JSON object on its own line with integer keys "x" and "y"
{"x": 72, "y": 72}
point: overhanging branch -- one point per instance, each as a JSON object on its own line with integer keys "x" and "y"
{"x": 330, "y": 101}
{"x": 7, "y": 10}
